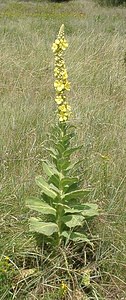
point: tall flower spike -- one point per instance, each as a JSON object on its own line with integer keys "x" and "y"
{"x": 61, "y": 83}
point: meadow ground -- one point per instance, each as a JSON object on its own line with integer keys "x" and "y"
{"x": 96, "y": 62}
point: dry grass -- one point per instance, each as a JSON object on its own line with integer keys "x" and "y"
{"x": 97, "y": 69}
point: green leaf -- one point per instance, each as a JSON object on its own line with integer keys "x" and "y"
{"x": 73, "y": 220}
{"x": 66, "y": 234}
{"x": 40, "y": 206}
{"x": 75, "y": 194}
{"x": 52, "y": 151}
{"x": 70, "y": 210}
{"x": 49, "y": 169}
{"x": 45, "y": 187}
{"x": 42, "y": 227}
{"x": 79, "y": 237}
{"x": 59, "y": 147}
{"x": 72, "y": 166}
{"x": 88, "y": 209}
{"x": 54, "y": 188}
{"x": 90, "y": 213}
{"x": 54, "y": 180}
{"x": 52, "y": 172}
{"x": 76, "y": 237}
{"x": 69, "y": 181}
{"x": 63, "y": 163}
{"x": 71, "y": 150}
{"x": 62, "y": 205}
{"x": 66, "y": 139}
{"x": 91, "y": 205}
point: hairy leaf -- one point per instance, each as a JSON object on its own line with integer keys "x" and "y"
{"x": 42, "y": 227}
{"x": 85, "y": 210}
{"x": 73, "y": 220}
{"x": 49, "y": 169}
{"x": 63, "y": 163}
{"x": 72, "y": 166}
{"x": 54, "y": 180}
{"x": 71, "y": 150}
{"x": 40, "y": 206}
{"x": 73, "y": 210}
{"x": 76, "y": 237}
{"x": 75, "y": 194}
{"x": 69, "y": 181}
{"x": 59, "y": 147}
{"x": 52, "y": 151}
{"x": 88, "y": 209}
{"x": 45, "y": 187}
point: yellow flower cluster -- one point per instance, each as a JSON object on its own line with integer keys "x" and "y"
{"x": 64, "y": 288}
{"x": 61, "y": 82}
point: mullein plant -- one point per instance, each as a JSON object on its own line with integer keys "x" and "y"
{"x": 62, "y": 207}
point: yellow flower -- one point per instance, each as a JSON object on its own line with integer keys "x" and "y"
{"x": 54, "y": 47}
{"x": 68, "y": 107}
{"x": 7, "y": 258}
{"x": 62, "y": 108}
{"x": 57, "y": 41}
{"x": 56, "y": 71}
{"x": 64, "y": 288}
{"x": 59, "y": 85}
{"x": 63, "y": 44}
{"x": 64, "y": 75}
{"x": 63, "y": 116}
{"x": 59, "y": 99}
{"x": 61, "y": 31}
{"x": 67, "y": 86}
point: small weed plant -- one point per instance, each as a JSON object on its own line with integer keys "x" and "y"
{"x": 63, "y": 209}
{"x": 7, "y": 272}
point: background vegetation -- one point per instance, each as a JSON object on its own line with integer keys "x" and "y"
{"x": 96, "y": 61}
{"x": 111, "y": 2}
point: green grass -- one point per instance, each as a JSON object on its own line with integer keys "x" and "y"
{"x": 96, "y": 63}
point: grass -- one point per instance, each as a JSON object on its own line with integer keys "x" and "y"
{"x": 97, "y": 69}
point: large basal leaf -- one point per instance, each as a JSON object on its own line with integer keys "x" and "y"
{"x": 87, "y": 210}
{"x": 45, "y": 187}
{"x": 70, "y": 210}
{"x": 40, "y": 206}
{"x": 90, "y": 213}
{"x": 76, "y": 237}
{"x": 91, "y": 205}
{"x": 73, "y": 220}
{"x": 75, "y": 194}
{"x": 66, "y": 234}
{"x": 42, "y": 227}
